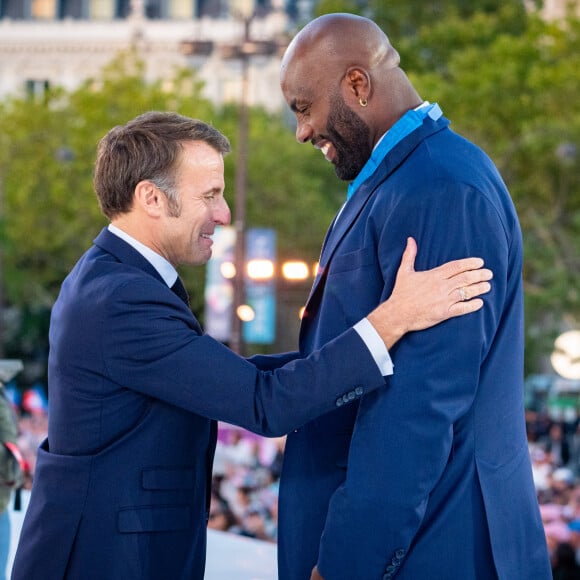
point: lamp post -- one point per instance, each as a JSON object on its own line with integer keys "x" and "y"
{"x": 243, "y": 50}
{"x": 2, "y": 234}
{"x": 244, "y": 10}
{"x": 240, "y": 185}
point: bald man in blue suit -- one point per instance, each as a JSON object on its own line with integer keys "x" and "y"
{"x": 429, "y": 479}
{"x": 122, "y": 483}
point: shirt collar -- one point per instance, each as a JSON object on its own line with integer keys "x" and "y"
{"x": 163, "y": 267}
{"x": 410, "y": 121}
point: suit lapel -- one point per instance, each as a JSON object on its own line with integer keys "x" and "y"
{"x": 345, "y": 220}
{"x": 126, "y": 254}
{"x": 343, "y": 224}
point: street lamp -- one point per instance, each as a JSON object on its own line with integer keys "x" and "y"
{"x": 295, "y": 270}
{"x": 566, "y": 355}
{"x": 259, "y": 269}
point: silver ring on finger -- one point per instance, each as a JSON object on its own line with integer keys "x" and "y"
{"x": 462, "y": 294}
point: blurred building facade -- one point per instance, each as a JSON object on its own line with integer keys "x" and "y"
{"x": 558, "y": 8}
{"x": 47, "y": 43}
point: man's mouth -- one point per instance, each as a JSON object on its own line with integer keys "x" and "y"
{"x": 326, "y": 148}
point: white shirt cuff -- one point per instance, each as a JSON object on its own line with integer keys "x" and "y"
{"x": 375, "y": 345}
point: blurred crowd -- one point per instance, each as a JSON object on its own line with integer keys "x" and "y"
{"x": 31, "y": 410}
{"x": 247, "y": 471}
{"x": 245, "y": 484}
{"x": 555, "y": 453}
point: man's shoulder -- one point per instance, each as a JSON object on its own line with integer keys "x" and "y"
{"x": 99, "y": 277}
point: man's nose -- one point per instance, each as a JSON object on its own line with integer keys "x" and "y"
{"x": 303, "y": 132}
{"x": 222, "y": 214}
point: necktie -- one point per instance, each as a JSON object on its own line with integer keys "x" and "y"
{"x": 180, "y": 290}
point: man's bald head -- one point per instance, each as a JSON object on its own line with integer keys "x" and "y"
{"x": 342, "y": 40}
{"x": 341, "y": 78}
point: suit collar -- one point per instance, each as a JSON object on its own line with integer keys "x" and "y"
{"x": 124, "y": 252}
{"x": 357, "y": 202}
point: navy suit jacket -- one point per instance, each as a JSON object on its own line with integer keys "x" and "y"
{"x": 432, "y": 478}
{"x": 121, "y": 487}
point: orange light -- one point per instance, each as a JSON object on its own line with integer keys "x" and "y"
{"x": 260, "y": 269}
{"x": 228, "y": 270}
{"x": 245, "y": 313}
{"x": 295, "y": 270}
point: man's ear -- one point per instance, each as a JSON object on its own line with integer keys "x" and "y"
{"x": 358, "y": 83}
{"x": 149, "y": 198}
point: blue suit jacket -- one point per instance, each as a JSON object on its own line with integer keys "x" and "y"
{"x": 121, "y": 486}
{"x": 432, "y": 479}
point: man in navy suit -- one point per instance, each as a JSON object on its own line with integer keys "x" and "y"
{"x": 429, "y": 479}
{"x": 121, "y": 487}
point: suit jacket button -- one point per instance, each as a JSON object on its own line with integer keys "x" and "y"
{"x": 390, "y": 571}
{"x": 359, "y": 391}
{"x": 339, "y": 402}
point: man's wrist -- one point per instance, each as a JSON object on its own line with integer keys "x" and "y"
{"x": 387, "y": 324}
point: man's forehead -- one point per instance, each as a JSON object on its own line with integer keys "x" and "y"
{"x": 294, "y": 76}
{"x": 297, "y": 91}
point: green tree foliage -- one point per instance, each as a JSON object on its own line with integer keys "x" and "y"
{"x": 47, "y": 162}
{"x": 404, "y": 19}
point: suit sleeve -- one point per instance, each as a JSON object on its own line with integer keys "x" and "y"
{"x": 270, "y": 362}
{"x": 403, "y": 434}
{"x": 151, "y": 347}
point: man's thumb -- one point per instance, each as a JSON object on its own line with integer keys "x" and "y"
{"x": 408, "y": 259}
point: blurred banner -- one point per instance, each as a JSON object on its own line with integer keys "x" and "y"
{"x": 261, "y": 285}
{"x": 219, "y": 289}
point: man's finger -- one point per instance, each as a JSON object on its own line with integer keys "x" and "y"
{"x": 461, "y": 308}
{"x": 409, "y": 255}
{"x": 457, "y": 267}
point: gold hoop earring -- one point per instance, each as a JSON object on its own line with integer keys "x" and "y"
{"x": 363, "y": 102}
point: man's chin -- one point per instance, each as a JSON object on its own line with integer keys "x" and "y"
{"x": 197, "y": 260}
{"x": 344, "y": 174}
